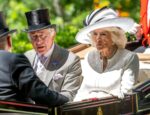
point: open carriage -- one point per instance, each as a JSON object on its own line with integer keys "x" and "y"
{"x": 138, "y": 102}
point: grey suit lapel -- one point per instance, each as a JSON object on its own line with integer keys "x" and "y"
{"x": 57, "y": 60}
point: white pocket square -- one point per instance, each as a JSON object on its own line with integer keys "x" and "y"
{"x": 57, "y": 76}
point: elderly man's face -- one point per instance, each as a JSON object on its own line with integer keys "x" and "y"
{"x": 102, "y": 39}
{"x": 42, "y": 40}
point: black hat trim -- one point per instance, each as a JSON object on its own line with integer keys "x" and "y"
{"x": 4, "y": 33}
{"x": 4, "y": 30}
{"x": 39, "y": 27}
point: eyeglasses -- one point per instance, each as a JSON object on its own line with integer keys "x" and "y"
{"x": 41, "y": 37}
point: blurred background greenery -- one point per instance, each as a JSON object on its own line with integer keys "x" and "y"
{"x": 68, "y": 15}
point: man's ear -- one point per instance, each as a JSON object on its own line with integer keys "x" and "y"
{"x": 9, "y": 42}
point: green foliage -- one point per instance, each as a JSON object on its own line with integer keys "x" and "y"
{"x": 21, "y": 43}
{"x": 130, "y": 37}
{"x": 68, "y": 15}
{"x": 66, "y": 33}
{"x": 65, "y": 36}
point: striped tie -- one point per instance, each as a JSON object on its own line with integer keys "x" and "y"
{"x": 43, "y": 59}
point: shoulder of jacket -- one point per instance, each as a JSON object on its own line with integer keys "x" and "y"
{"x": 130, "y": 53}
{"x": 70, "y": 54}
{"x": 29, "y": 52}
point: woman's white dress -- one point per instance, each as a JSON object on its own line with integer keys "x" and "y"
{"x": 118, "y": 78}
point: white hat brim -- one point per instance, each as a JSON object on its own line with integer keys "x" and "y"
{"x": 123, "y": 23}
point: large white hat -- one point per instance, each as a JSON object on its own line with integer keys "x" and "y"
{"x": 101, "y": 18}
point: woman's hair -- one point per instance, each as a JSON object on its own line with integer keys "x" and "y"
{"x": 118, "y": 36}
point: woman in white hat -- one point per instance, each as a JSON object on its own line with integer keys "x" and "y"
{"x": 109, "y": 69}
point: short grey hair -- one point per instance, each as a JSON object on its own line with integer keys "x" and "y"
{"x": 3, "y": 42}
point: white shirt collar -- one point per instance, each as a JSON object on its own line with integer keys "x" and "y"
{"x": 38, "y": 66}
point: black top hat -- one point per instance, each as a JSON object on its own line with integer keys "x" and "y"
{"x": 4, "y": 30}
{"x": 38, "y": 19}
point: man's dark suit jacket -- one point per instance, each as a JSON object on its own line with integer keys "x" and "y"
{"x": 18, "y": 82}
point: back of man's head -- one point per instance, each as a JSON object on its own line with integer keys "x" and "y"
{"x": 5, "y": 41}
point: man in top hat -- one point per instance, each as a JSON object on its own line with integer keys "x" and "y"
{"x": 58, "y": 68}
{"x": 18, "y": 81}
